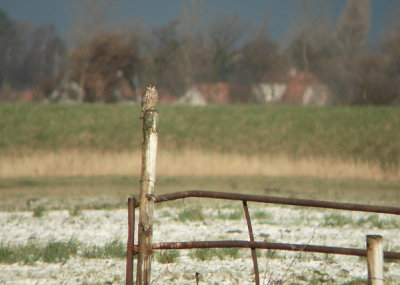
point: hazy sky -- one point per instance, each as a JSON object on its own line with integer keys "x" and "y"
{"x": 281, "y": 13}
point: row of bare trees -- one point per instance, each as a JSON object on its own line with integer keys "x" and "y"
{"x": 186, "y": 51}
{"x": 28, "y": 56}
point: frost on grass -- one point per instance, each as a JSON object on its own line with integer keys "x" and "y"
{"x": 85, "y": 246}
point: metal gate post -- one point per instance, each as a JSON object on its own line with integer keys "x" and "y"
{"x": 131, "y": 241}
{"x": 253, "y": 250}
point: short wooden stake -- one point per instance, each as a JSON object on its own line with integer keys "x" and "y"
{"x": 146, "y": 197}
{"x": 375, "y": 259}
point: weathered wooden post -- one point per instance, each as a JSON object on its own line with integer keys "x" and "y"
{"x": 146, "y": 197}
{"x": 375, "y": 259}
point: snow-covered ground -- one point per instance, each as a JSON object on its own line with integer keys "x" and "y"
{"x": 271, "y": 223}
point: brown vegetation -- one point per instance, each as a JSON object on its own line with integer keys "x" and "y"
{"x": 102, "y": 62}
{"x": 183, "y": 163}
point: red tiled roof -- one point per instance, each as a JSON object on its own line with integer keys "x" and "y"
{"x": 276, "y": 78}
{"x": 296, "y": 86}
{"x": 166, "y": 97}
{"x": 215, "y": 92}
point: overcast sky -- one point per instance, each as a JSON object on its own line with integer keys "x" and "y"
{"x": 281, "y": 13}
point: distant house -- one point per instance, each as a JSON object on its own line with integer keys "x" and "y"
{"x": 298, "y": 88}
{"x": 67, "y": 93}
{"x": 23, "y": 96}
{"x": 306, "y": 89}
{"x": 166, "y": 97}
{"x": 193, "y": 97}
{"x": 123, "y": 92}
{"x": 211, "y": 93}
{"x": 270, "y": 90}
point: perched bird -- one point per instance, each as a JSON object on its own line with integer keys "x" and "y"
{"x": 149, "y": 99}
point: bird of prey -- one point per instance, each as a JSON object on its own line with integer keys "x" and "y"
{"x": 149, "y": 99}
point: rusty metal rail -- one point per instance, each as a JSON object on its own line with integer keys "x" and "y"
{"x": 134, "y": 203}
{"x": 276, "y": 200}
{"x": 270, "y": 245}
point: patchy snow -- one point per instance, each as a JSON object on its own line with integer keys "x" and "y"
{"x": 271, "y": 223}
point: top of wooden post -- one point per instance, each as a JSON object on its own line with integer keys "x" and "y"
{"x": 150, "y": 120}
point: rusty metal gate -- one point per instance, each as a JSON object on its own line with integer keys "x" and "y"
{"x": 133, "y": 249}
{"x": 147, "y": 198}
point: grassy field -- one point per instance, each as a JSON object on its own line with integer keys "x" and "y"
{"x": 90, "y": 154}
{"x": 112, "y": 191}
{"x": 367, "y": 134}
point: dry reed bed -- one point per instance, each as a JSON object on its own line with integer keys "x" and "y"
{"x": 186, "y": 162}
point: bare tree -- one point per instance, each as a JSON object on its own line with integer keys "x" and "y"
{"x": 163, "y": 56}
{"x": 306, "y": 8}
{"x": 353, "y": 27}
{"x": 192, "y": 40}
{"x": 108, "y": 57}
{"x": 45, "y": 55}
{"x": 378, "y": 75}
{"x": 377, "y": 83}
{"x": 224, "y": 34}
{"x": 312, "y": 32}
{"x": 89, "y": 20}
{"x": 261, "y": 56}
{"x": 9, "y": 46}
{"x": 351, "y": 35}
{"x": 365, "y": 77}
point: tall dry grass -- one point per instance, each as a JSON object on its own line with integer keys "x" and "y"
{"x": 186, "y": 163}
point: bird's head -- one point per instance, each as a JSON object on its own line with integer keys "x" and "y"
{"x": 151, "y": 87}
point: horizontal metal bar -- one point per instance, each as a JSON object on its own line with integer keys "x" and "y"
{"x": 269, "y": 245}
{"x": 276, "y": 200}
